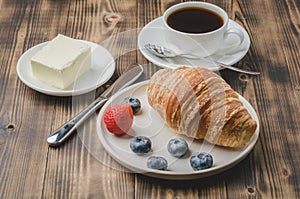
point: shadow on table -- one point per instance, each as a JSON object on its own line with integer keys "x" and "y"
{"x": 237, "y": 173}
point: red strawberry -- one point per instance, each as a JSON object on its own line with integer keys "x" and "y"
{"x": 118, "y": 119}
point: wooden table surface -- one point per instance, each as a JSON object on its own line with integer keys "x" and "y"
{"x": 81, "y": 168}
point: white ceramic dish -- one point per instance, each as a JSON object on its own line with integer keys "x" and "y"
{"x": 103, "y": 67}
{"x": 153, "y": 33}
{"x": 151, "y": 125}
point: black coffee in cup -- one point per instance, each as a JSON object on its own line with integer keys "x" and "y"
{"x": 194, "y": 20}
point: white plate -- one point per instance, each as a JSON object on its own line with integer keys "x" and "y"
{"x": 103, "y": 67}
{"x": 153, "y": 33}
{"x": 151, "y": 125}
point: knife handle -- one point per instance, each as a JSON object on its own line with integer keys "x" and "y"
{"x": 58, "y": 136}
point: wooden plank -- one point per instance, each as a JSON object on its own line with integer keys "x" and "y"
{"x": 272, "y": 55}
{"x": 82, "y": 168}
{"x": 21, "y": 148}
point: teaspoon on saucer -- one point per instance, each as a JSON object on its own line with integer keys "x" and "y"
{"x": 164, "y": 52}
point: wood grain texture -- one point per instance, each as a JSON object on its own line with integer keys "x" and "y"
{"x": 81, "y": 168}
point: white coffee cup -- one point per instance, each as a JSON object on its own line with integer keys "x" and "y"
{"x": 201, "y": 44}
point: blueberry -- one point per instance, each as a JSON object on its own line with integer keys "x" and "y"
{"x": 140, "y": 144}
{"x": 177, "y": 147}
{"x": 134, "y": 103}
{"x": 201, "y": 161}
{"x": 157, "y": 162}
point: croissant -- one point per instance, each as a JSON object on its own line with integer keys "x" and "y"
{"x": 198, "y": 103}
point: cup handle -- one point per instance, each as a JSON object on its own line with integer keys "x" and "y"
{"x": 231, "y": 49}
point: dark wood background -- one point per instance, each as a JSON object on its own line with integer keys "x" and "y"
{"x": 78, "y": 169}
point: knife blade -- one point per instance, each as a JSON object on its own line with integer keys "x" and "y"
{"x": 58, "y": 136}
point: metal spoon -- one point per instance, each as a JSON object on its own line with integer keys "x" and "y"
{"x": 164, "y": 52}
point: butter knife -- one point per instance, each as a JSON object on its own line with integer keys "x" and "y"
{"x": 62, "y": 133}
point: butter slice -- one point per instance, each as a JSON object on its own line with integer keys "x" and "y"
{"x": 61, "y": 61}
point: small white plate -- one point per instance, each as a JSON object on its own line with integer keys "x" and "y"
{"x": 149, "y": 124}
{"x": 103, "y": 67}
{"x": 153, "y": 33}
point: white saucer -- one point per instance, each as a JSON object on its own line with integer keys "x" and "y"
{"x": 149, "y": 124}
{"x": 153, "y": 33}
{"x": 103, "y": 67}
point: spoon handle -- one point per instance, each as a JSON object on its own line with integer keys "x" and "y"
{"x": 238, "y": 69}
{"x": 223, "y": 65}
{"x": 230, "y": 67}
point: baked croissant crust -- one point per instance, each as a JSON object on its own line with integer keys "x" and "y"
{"x": 198, "y": 103}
